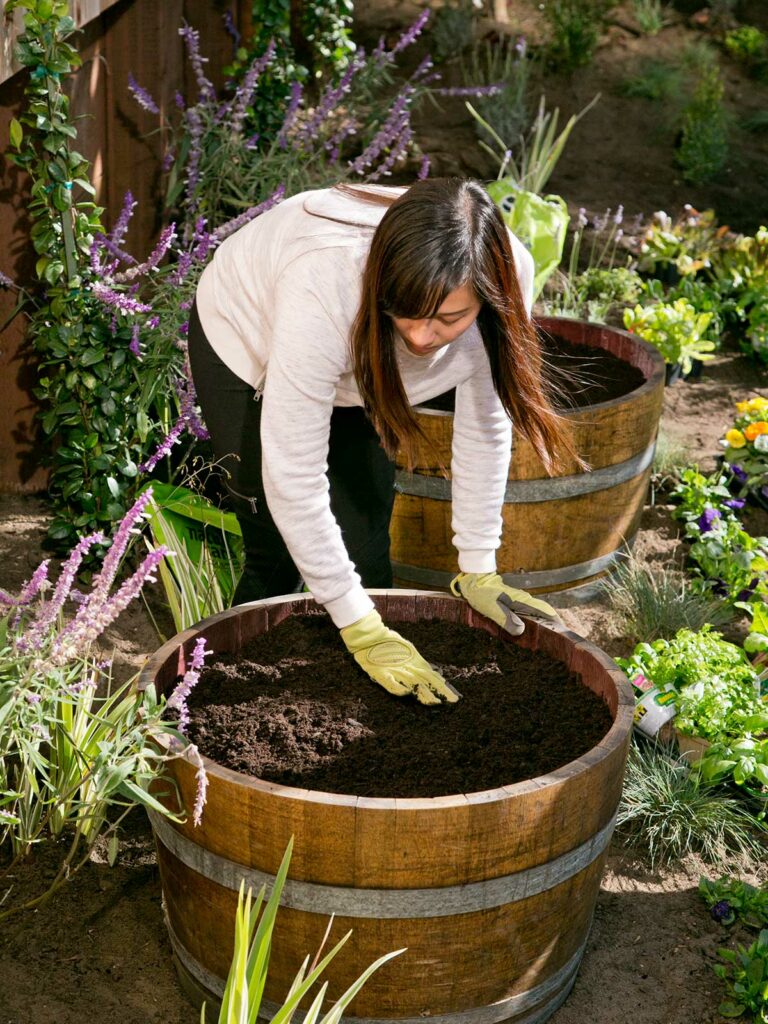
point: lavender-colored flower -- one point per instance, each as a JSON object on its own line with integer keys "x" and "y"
{"x": 297, "y": 91}
{"x": 47, "y": 613}
{"x": 396, "y": 152}
{"x": 723, "y": 913}
{"x": 102, "y": 243}
{"x": 245, "y": 90}
{"x": 244, "y": 218}
{"x": 192, "y": 39}
{"x": 390, "y": 132}
{"x": 32, "y": 698}
{"x": 29, "y": 590}
{"x": 707, "y": 519}
{"x": 172, "y": 437}
{"x": 94, "y": 617}
{"x": 117, "y": 233}
{"x": 231, "y": 28}
{"x": 142, "y": 95}
{"x": 618, "y": 217}
{"x": 738, "y": 472}
{"x": 330, "y": 99}
{"x": 128, "y": 526}
{"x": 185, "y": 389}
{"x": 190, "y": 679}
{"x": 735, "y": 504}
{"x": 202, "y": 785}
{"x": 195, "y": 125}
{"x": 135, "y": 346}
{"x": 472, "y": 90}
{"x": 170, "y": 156}
{"x": 411, "y": 34}
{"x": 167, "y": 236}
{"x": 178, "y": 99}
{"x": 5, "y": 281}
{"x": 521, "y": 47}
{"x": 581, "y": 219}
{"x": 120, "y": 301}
{"x": 423, "y": 168}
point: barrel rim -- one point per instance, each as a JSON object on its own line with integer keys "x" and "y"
{"x": 613, "y": 741}
{"x": 656, "y": 379}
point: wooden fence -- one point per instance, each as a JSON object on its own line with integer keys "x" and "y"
{"x": 124, "y": 148}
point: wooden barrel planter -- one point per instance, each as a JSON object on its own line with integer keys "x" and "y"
{"x": 491, "y": 892}
{"x": 561, "y": 533}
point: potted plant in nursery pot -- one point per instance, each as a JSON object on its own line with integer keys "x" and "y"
{"x": 713, "y": 687}
{"x": 677, "y": 331}
{"x": 746, "y": 449}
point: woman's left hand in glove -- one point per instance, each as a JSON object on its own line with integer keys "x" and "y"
{"x": 489, "y": 594}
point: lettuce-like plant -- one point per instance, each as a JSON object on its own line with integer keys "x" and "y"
{"x": 676, "y": 329}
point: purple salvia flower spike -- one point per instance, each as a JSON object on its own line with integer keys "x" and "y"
{"x": 178, "y": 699}
{"x": 424, "y": 168}
{"x": 192, "y": 39}
{"x": 5, "y": 281}
{"x": 411, "y": 34}
{"x": 245, "y": 90}
{"x": 231, "y": 226}
{"x": 117, "y": 234}
{"x": 142, "y": 96}
{"x": 106, "y": 575}
{"x": 172, "y": 437}
{"x": 164, "y": 243}
{"x": 297, "y": 91}
{"x": 135, "y": 346}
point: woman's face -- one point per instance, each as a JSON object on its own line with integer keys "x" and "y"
{"x": 455, "y": 315}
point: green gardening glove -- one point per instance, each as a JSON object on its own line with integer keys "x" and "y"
{"x": 488, "y": 594}
{"x": 394, "y": 663}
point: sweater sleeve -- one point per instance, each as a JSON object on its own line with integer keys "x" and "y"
{"x": 307, "y": 357}
{"x": 481, "y": 451}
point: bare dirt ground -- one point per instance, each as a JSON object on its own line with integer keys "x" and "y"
{"x": 98, "y": 951}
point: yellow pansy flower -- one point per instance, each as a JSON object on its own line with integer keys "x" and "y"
{"x": 742, "y": 407}
{"x": 753, "y": 430}
{"x": 758, "y": 404}
{"x": 735, "y": 439}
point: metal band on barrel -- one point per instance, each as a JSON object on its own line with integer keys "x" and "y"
{"x": 519, "y": 492}
{"x": 386, "y": 903}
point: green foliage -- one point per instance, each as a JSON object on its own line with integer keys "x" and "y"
{"x": 749, "y": 46}
{"x": 703, "y": 296}
{"x": 675, "y": 328}
{"x": 745, "y": 973}
{"x": 746, "y": 903}
{"x": 655, "y": 80}
{"x": 690, "y": 244}
{"x": 655, "y": 602}
{"x": 575, "y": 27}
{"x": 746, "y": 445}
{"x": 88, "y": 386}
{"x": 703, "y": 148}
{"x": 670, "y": 459}
{"x": 742, "y": 760}
{"x": 649, "y": 15}
{"x": 324, "y": 26}
{"x": 666, "y": 812}
{"x": 247, "y": 978}
{"x": 503, "y": 63}
{"x": 76, "y": 752}
{"x": 453, "y": 28}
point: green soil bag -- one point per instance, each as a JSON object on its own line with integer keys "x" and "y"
{"x": 540, "y": 222}
{"x": 196, "y": 522}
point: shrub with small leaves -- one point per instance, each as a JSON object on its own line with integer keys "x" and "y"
{"x": 703, "y": 148}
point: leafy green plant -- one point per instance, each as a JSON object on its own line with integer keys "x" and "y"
{"x": 730, "y": 900}
{"x": 504, "y": 64}
{"x": 76, "y": 753}
{"x": 666, "y": 812}
{"x": 742, "y": 760}
{"x": 654, "y": 80}
{"x": 745, "y": 973}
{"x": 675, "y": 328}
{"x": 453, "y": 28}
{"x": 670, "y": 459}
{"x": 87, "y": 386}
{"x": 656, "y": 602}
{"x": 539, "y": 151}
{"x": 254, "y": 925}
{"x": 749, "y": 46}
{"x": 703, "y": 148}
{"x": 690, "y": 243}
{"x": 575, "y": 27}
{"x": 649, "y": 15}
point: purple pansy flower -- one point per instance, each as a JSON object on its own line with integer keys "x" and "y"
{"x": 707, "y": 519}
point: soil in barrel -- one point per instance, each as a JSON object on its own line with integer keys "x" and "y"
{"x": 581, "y": 375}
{"x": 292, "y": 707}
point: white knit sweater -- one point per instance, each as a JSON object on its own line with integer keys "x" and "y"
{"x": 277, "y": 303}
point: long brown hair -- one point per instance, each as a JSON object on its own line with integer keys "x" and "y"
{"x": 438, "y": 236}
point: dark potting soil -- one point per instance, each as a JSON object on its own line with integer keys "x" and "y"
{"x": 582, "y": 375}
{"x": 294, "y": 708}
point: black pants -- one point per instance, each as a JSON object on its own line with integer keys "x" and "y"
{"x": 360, "y": 474}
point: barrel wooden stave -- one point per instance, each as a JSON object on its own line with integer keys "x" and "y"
{"x": 510, "y": 947}
{"x": 539, "y": 831}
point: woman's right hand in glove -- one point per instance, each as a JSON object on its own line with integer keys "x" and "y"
{"x": 394, "y": 663}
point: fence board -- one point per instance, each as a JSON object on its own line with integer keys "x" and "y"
{"x": 125, "y": 150}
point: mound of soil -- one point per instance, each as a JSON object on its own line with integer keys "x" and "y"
{"x": 293, "y": 707}
{"x": 582, "y": 375}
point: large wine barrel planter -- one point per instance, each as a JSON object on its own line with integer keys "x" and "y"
{"x": 561, "y": 533}
{"x": 492, "y": 892}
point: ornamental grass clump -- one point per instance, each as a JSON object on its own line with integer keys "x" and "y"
{"x": 76, "y": 751}
{"x": 667, "y": 812}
